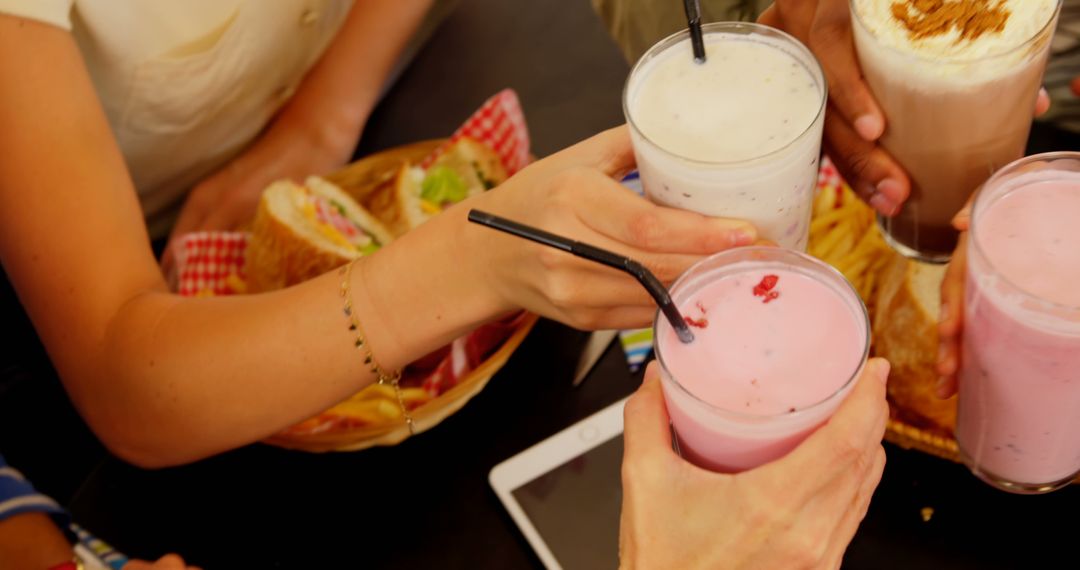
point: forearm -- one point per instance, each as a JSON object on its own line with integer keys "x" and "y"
{"x": 213, "y": 374}
{"x": 32, "y": 540}
{"x": 163, "y": 379}
{"x": 337, "y": 95}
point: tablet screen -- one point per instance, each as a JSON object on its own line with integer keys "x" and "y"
{"x": 575, "y": 507}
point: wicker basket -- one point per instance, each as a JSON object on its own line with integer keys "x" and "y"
{"x": 365, "y": 180}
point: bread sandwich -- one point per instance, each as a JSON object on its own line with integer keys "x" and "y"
{"x": 905, "y": 333}
{"x": 302, "y": 231}
{"x": 464, "y": 168}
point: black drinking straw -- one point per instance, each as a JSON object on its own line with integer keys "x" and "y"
{"x": 586, "y": 251}
{"x": 693, "y": 21}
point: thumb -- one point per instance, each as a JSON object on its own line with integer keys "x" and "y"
{"x": 609, "y": 151}
{"x": 832, "y": 42}
{"x": 646, "y": 427}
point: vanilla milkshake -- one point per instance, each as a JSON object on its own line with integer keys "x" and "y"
{"x": 1018, "y": 421}
{"x": 779, "y": 338}
{"x": 738, "y": 136}
{"x": 957, "y": 80}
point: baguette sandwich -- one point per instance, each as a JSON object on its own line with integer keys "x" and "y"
{"x": 465, "y": 168}
{"x": 905, "y": 333}
{"x": 302, "y": 231}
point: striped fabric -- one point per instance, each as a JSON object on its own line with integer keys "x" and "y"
{"x": 18, "y": 496}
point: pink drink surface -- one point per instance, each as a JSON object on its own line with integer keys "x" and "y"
{"x": 1019, "y": 407}
{"x": 763, "y": 359}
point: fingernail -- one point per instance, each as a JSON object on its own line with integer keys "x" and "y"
{"x": 745, "y": 236}
{"x": 891, "y": 188}
{"x": 882, "y": 203}
{"x": 941, "y": 356}
{"x": 870, "y": 127}
{"x": 882, "y": 370}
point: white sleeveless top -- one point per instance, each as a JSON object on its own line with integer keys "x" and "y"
{"x": 187, "y": 84}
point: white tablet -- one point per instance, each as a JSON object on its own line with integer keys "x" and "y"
{"x": 565, "y": 492}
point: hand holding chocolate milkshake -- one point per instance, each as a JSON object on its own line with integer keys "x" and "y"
{"x": 958, "y": 81}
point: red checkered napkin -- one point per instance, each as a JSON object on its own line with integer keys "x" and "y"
{"x": 500, "y": 124}
{"x": 212, "y": 263}
{"x": 829, "y": 176}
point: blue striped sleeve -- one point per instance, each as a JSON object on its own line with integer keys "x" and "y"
{"x": 17, "y": 495}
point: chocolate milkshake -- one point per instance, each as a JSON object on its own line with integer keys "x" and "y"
{"x": 957, "y": 80}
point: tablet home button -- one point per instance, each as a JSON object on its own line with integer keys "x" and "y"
{"x": 588, "y": 433}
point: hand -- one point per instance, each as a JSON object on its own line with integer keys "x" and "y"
{"x": 951, "y": 322}
{"x": 167, "y": 562}
{"x": 853, "y": 121}
{"x": 800, "y": 511}
{"x": 574, "y": 194}
{"x": 227, "y": 199}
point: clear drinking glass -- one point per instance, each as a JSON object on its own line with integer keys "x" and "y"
{"x": 773, "y": 190}
{"x": 728, "y": 438}
{"x": 1018, "y": 422}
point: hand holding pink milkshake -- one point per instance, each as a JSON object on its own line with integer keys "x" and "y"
{"x": 779, "y": 339}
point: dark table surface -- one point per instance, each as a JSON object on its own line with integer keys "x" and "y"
{"x": 426, "y": 502}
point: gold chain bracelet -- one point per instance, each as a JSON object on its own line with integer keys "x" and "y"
{"x": 361, "y": 344}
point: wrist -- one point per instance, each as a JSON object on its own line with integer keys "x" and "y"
{"x": 420, "y": 293}
{"x": 331, "y": 132}
{"x": 479, "y": 262}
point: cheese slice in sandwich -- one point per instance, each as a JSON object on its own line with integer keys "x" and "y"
{"x": 302, "y": 231}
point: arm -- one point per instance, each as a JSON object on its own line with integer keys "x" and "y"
{"x": 28, "y": 536}
{"x": 131, "y": 356}
{"x": 32, "y": 540}
{"x": 163, "y": 379}
{"x": 317, "y": 130}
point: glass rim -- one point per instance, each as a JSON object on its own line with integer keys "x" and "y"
{"x": 818, "y": 265}
{"x": 678, "y": 37}
{"x": 1048, "y": 25}
{"x": 980, "y": 204}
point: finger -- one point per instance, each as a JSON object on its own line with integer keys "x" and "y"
{"x": 795, "y": 17}
{"x": 950, "y": 327}
{"x": 666, "y": 267}
{"x": 870, "y": 171}
{"x": 231, "y": 214}
{"x": 770, "y": 17}
{"x": 632, "y": 220}
{"x": 852, "y": 432}
{"x": 831, "y": 40}
{"x": 170, "y": 562}
{"x": 610, "y": 152}
{"x": 646, "y": 426}
{"x": 1042, "y": 102}
{"x": 962, "y": 220}
{"x": 591, "y": 296}
{"x": 195, "y": 210}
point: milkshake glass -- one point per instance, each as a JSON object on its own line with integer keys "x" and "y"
{"x": 780, "y": 338}
{"x": 738, "y": 136}
{"x": 1018, "y": 422}
{"x": 957, "y": 108}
